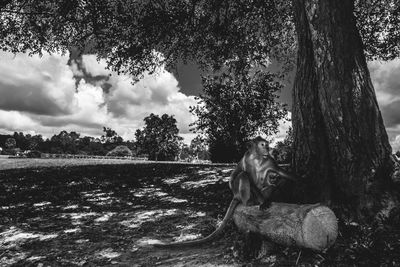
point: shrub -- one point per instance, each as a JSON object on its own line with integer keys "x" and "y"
{"x": 34, "y": 154}
{"x": 120, "y": 151}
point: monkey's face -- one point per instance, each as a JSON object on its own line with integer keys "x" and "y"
{"x": 263, "y": 149}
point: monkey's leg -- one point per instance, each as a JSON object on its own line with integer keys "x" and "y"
{"x": 244, "y": 188}
{"x": 266, "y": 193}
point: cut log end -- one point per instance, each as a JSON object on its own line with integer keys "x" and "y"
{"x": 310, "y": 226}
{"x": 319, "y": 228}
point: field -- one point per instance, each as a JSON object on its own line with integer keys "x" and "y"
{"x": 28, "y": 163}
{"x": 102, "y": 215}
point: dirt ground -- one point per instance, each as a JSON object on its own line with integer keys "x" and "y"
{"x": 110, "y": 215}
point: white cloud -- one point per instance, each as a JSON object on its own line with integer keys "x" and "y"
{"x": 36, "y": 85}
{"x": 385, "y": 78}
{"x": 42, "y": 96}
{"x": 95, "y": 67}
{"x": 15, "y": 121}
{"x": 283, "y": 127}
{"x": 396, "y": 144}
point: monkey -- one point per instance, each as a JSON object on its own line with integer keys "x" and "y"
{"x": 249, "y": 178}
{"x": 259, "y": 164}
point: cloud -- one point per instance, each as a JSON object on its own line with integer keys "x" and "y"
{"x": 158, "y": 93}
{"x": 46, "y": 95}
{"x": 396, "y": 144}
{"x": 36, "y": 85}
{"x": 385, "y": 78}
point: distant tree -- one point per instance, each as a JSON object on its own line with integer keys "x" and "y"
{"x": 21, "y": 140}
{"x": 120, "y": 151}
{"x": 65, "y": 142}
{"x": 282, "y": 152}
{"x": 35, "y": 141}
{"x": 199, "y": 148}
{"x": 159, "y": 138}
{"x": 91, "y": 146}
{"x": 110, "y": 136}
{"x": 10, "y": 143}
{"x": 184, "y": 152}
{"x": 234, "y": 108}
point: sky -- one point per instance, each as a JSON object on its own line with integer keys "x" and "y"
{"x": 44, "y": 95}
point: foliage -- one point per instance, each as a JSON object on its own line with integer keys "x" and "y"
{"x": 282, "y": 152}
{"x": 199, "y": 148}
{"x": 131, "y": 34}
{"x": 159, "y": 138}
{"x": 234, "y": 108}
{"x": 34, "y": 154}
{"x": 110, "y": 136}
{"x": 120, "y": 151}
{"x": 10, "y": 143}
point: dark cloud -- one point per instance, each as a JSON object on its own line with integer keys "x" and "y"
{"x": 391, "y": 114}
{"x": 30, "y": 98}
{"x": 36, "y": 85}
{"x": 61, "y": 122}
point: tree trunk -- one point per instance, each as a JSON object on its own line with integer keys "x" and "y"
{"x": 340, "y": 142}
{"x": 309, "y": 226}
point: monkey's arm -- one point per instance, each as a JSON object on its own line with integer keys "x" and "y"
{"x": 285, "y": 174}
{"x": 281, "y": 172}
{"x": 238, "y": 169}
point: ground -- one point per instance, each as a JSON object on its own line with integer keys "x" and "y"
{"x": 102, "y": 215}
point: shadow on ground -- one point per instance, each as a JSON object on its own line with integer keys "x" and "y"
{"x": 111, "y": 214}
{"x": 102, "y": 215}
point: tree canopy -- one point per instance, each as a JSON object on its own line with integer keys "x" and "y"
{"x": 233, "y": 109}
{"x": 137, "y": 36}
{"x": 159, "y": 138}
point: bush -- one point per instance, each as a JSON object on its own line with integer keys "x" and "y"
{"x": 34, "y": 154}
{"x": 120, "y": 151}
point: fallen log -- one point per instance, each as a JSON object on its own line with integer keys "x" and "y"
{"x": 311, "y": 226}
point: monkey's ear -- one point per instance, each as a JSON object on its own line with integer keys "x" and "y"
{"x": 249, "y": 144}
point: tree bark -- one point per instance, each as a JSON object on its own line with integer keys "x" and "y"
{"x": 309, "y": 226}
{"x": 340, "y": 142}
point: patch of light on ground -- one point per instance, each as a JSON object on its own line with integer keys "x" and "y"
{"x": 77, "y": 217}
{"x": 142, "y": 192}
{"x": 175, "y": 180}
{"x": 175, "y": 200}
{"x": 202, "y": 183}
{"x": 12, "y": 206}
{"x": 197, "y": 214}
{"x": 147, "y": 241}
{"x": 14, "y": 237}
{"x": 143, "y": 216}
{"x": 74, "y": 230}
{"x": 41, "y": 204}
{"x": 105, "y": 217}
{"x": 108, "y": 253}
{"x": 186, "y": 237}
{"x": 81, "y": 241}
{"x": 207, "y": 171}
{"x": 16, "y": 257}
{"x": 158, "y": 193}
{"x": 73, "y": 183}
{"x": 70, "y": 207}
{"x": 35, "y": 258}
{"x": 47, "y": 237}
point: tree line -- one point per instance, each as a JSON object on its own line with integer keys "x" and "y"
{"x": 158, "y": 140}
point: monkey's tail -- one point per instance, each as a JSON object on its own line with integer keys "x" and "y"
{"x": 209, "y": 238}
